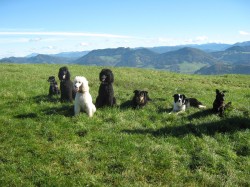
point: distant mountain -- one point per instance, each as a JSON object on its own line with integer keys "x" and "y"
{"x": 141, "y": 58}
{"x": 237, "y": 55}
{"x": 40, "y": 58}
{"x": 224, "y": 58}
{"x": 210, "y": 47}
{"x": 103, "y": 57}
{"x": 14, "y": 60}
{"x": 47, "y": 59}
{"x": 222, "y": 68}
{"x": 186, "y": 54}
{"x": 72, "y": 55}
{"x": 32, "y": 55}
{"x": 186, "y": 60}
{"x": 247, "y": 43}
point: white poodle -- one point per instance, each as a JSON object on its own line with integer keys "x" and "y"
{"x": 83, "y": 99}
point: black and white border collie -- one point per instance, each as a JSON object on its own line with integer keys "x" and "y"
{"x": 181, "y": 103}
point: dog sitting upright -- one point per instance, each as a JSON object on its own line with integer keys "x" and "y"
{"x": 181, "y": 103}
{"x": 140, "y": 99}
{"x": 66, "y": 85}
{"x": 218, "y": 104}
{"x": 53, "y": 88}
{"x": 106, "y": 92}
{"x": 83, "y": 99}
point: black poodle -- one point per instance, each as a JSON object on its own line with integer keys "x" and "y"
{"x": 106, "y": 92}
{"x": 218, "y": 105}
{"x": 53, "y": 88}
{"x": 66, "y": 85}
{"x": 140, "y": 99}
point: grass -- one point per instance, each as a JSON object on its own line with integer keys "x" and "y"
{"x": 43, "y": 144}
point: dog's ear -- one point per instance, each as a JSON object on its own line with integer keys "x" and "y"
{"x": 68, "y": 75}
{"x": 184, "y": 97}
{"x": 224, "y": 91}
{"x": 136, "y": 91}
{"x": 85, "y": 86}
{"x": 217, "y": 91}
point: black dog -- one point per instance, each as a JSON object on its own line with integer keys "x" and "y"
{"x": 53, "y": 89}
{"x": 106, "y": 92}
{"x": 66, "y": 85}
{"x": 140, "y": 99}
{"x": 218, "y": 104}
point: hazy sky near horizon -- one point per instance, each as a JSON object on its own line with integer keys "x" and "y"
{"x": 54, "y": 26}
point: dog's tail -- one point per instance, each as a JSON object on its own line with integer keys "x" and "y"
{"x": 201, "y": 106}
{"x": 229, "y": 104}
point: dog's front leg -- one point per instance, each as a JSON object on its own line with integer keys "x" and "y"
{"x": 77, "y": 109}
{"x": 90, "y": 110}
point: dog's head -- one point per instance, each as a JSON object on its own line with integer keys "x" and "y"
{"x": 179, "y": 99}
{"x": 140, "y": 97}
{"x": 220, "y": 96}
{"x": 52, "y": 79}
{"x": 106, "y": 76}
{"x": 63, "y": 73}
{"x": 81, "y": 84}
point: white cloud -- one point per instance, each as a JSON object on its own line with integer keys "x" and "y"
{"x": 84, "y": 44}
{"x": 201, "y": 38}
{"x": 197, "y": 40}
{"x": 35, "y": 39}
{"x": 64, "y": 34}
{"x": 244, "y": 33}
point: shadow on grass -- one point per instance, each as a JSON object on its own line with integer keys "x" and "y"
{"x": 226, "y": 125}
{"x": 201, "y": 114}
{"x": 126, "y": 105}
{"x": 66, "y": 110}
{"x": 164, "y": 110}
{"x": 46, "y": 98}
{"x": 25, "y": 116}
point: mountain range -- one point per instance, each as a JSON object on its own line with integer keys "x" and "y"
{"x": 200, "y": 59}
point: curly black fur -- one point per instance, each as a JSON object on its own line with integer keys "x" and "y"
{"x": 218, "y": 105}
{"x": 53, "y": 89}
{"x": 106, "y": 92}
{"x": 66, "y": 85}
{"x": 140, "y": 99}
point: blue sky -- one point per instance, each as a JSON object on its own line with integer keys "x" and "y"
{"x": 54, "y": 26}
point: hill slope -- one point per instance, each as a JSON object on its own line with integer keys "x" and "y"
{"x": 43, "y": 144}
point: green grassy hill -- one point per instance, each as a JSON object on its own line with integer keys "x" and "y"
{"x": 43, "y": 144}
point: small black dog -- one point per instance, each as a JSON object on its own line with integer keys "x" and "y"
{"x": 140, "y": 99}
{"x": 106, "y": 92}
{"x": 66, "y": 85}
{"x": 218, "y": 104}
{"x": 53, "y": 89}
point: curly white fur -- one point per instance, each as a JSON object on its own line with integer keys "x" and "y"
{"x": 83, "y": 99}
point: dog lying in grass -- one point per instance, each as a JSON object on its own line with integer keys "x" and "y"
{"x": 53, "y": 88}
{"x": 83, "y": 99}
{"x": 140, "y": 99}
{"x": 181, "y": 103}
{"x": 218, "y": 105}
